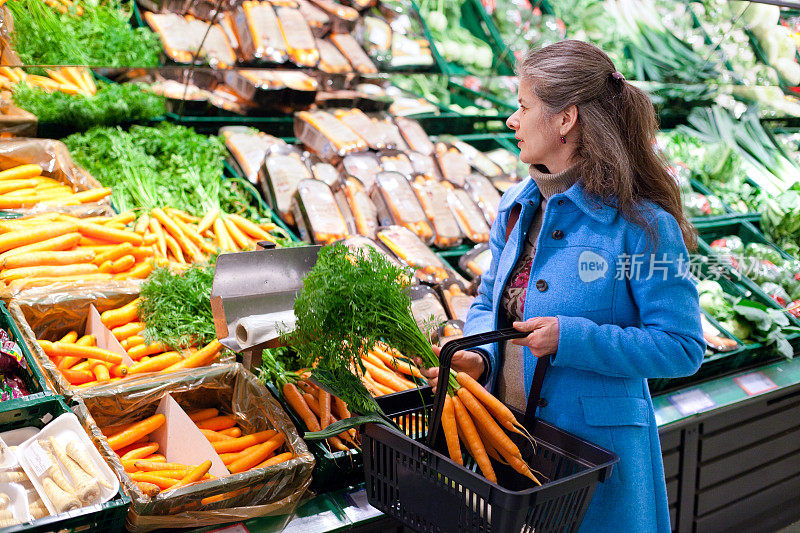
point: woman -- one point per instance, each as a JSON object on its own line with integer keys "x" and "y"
{"x": 589, "y": 257}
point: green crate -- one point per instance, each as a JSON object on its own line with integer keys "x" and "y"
{"x": 109, "y": 516}
{"x": 34, "y": 379}
{"x": 505, "y": 109}
{"x": 475, "y": 18}
{"x": 730, "y": 213}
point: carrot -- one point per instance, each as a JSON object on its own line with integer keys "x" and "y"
{"x": 127, "y": 330}
{"x": 151, "y": 466}
{"x": 499, "y": 411}
{"x": 450, "y": 431}
{"x": 207, "y": 220}
{"x": 16, "y": 185}
{"x": 55, "y": 271}
{"x": 201, "y": 357}
{"x": 140, "y": 443}
{"x": 300, "y": 407}
{"x": 119, "y": 371}
{"x": 214, "y": 436}
{"x": 324, "y": 400}
{"x": 72, "y": 336}
{"x": 142, "y": 224}
{"x": 162, "y": 483}
{"x": 195, "y": 474}
{"x": 26, "y": 283}
{"x": 239, "y": 238}
{"x": 239, "y": 444}
{"x": 143, "y": 253}
{"x": 257, "y": 454}
{"x": 138, "y": 352}
{"x": 482, "y": 418}
{"x": 117, "y": 317}
{"x": 228, "y": 458}
{"x": 156, "y": 364}
{"x": 61, "y": 242}
{"x": 101, "y": 372}
{"x": 313, "y": 404}
{"x": 340, "y": 408}
{"x": 87, "y": 340}
{"x": 217, "y": 423}
{"x": 117, "y": 251}
{"x": 144, "y": 451}
{"x": 396, "y": 364}
{"x": 148, "y": 489}
{"x": 386, "y": 377}
{"x": 89, "y": 352}
{"x": 21, "y": 172}
{"x": 92, "y": 195}
{"x": 76, "y": 377}
{"x": 231, "y": 432}
{"x": 203, "y": 414}
{"x": 174, "y": 248}
{"x": 48, "y": 258}
{"x": 140, "y": 271}
{"x": 224, "y": 240}
{"x": 251, "y": 229}
{"x": 177, "y": 474}
{"x": 193, "y": 236}
{"x": 281, "y": 458}
{"x": 158, "y": 231}
{"x": 120, "y": 265}
{"x": 136, "y": 431}
{"x": 174, "y": 230}
{"x": 109, "y": 234}
{"x": 130, "y": 342}
{"x": 473, "y": 441}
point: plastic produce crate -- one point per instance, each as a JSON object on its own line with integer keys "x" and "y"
{"x": 109, "y": 516}
{"x": 336, "y": 469}
{"x": 729, "y": 215}
{"x": 34, "y": 379}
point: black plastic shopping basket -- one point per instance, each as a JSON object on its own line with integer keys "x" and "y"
{"x": 417, "y": 484}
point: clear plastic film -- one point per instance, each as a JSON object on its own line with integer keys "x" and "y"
{"x": 476, "y": 261}
{"x": 412, "y": 252}
{"x": 317, "y": 214}
{"x": 331, "y": 59}
{"x": 249, "y": 148}
{"x": 456, "y": 300}
{"x": 175, "y": 34}
{"x": 469, "y": 216}
{"x": 348, "y": 46}
{"x": 373, "y": 134}
{"x": 259, "y": 33}
{"x": 427, "y": 309}
{"x": 217, "y": 50}
{"x": 364, "y": 166}
{"x": 300, "y": 43}
{"x": 484, "y": 194}
{"x": 15, "y": 121}
{"x": 433, "y": 198}
{"x": 56, "y": 162}
{"x": 352, "y": 193}
{"x": 396, "y": 161}
{"x": 452, "y": 163}
{"x": 476, "y": 158}
{"x": 318, "y": 20}
{"x": 275, "y": 490}
{"x": 414, "y": 135}
{"x": 397, "y": 204}
{"x": 284, "y": 169}
{"x": 326, "y": 136}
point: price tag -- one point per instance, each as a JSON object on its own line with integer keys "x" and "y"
{"x": 316, "y": 523}
{"x": 38, "y": 459}
{"x": 755, "y": 383}
{"x": 691, "y": 401}
{"x": 358, "y": 508}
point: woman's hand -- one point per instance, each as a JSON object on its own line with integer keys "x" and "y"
{"x": 542, "y": 336}
{"x": 463, "y": 361}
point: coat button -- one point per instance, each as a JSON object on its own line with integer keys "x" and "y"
{"x": 558, "y": 234}
{"x": 561, "y": 202}
{"x": 542, "y": 402}
{"x": 530, "y": 203}
{"x": 541, "y": 285}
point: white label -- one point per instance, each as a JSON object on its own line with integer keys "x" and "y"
{"x": 316, "y": 523}
{"x": 692, "y": 401}
{"x": 38, "y": 459}
{"x": 755, "y": 383}
{"x": 359, "y": 508}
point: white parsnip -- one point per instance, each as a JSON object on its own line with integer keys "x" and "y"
{"x": 62, "y": 501}
{"x": 38, "y": 509}
{"x": 4, "y": 500}
{"x": 54, "y": 471}
{"x": 13, "y": 476}
{"x": 78, "y": 453}
{"x": 86, "y": 487}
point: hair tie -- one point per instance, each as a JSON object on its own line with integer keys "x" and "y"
{"x": 618, "y": 76}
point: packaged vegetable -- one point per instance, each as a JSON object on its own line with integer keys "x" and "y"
{"x": 331, "y": 59}
{"x": 484, "y": 195}
{"x": 469, "y": 217}
{"x": 450, "y": 330}
{"x": 457, "y": 302}
{"x": 360, "y": 242}
{"x": 353, "y": 195}
{"x": 317, "y": 214}
{"x": 272, "y": 88}
{"x": 324, "y": 172}
{"x": 366, "y": 128}
{"x": 317, "y": 19}
{"x": 452, "y": 164}
{"x": 414, "y": 135}
{"x": 173, "y": 30}
{"x": 300, "y": 43}
{"x": 396, "y": 161}
{"x": 413, "y": 252}
{"x": 348, "y": 46}
{"x": 397, "y": 204}
{"x": 764, "y": 251}
{"x": 360, "y": 5}
{"x": 216, "y": 48}
{"x": 249, "y": 148}
{"x": 476, "y": 261}
{"x": 326, "y": 136}
{"x": 423, "y": 164}
{"x": 475, "y": 157}
{"x": 433, "y": 198}
{"x": 364, "y": 166}
{"x": 259, "y": 33}
{"x": 777, "y": 293}
{"x": 284, "y": 169}
{"x": 427, "y": 309}
{"x": 343, "y": 18}
{"x": 730, "y": 244}
{"x": 376, "y": 36}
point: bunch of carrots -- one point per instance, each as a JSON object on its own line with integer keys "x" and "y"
{"x": 24, "y": 186}
{"x": 69, "y": 80}
{"x": 386, "y": 372}
{"x": 153, "y": 474}
{"x": 84, "y": 365}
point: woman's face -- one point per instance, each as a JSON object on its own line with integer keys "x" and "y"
{"x": 536, "y": 131}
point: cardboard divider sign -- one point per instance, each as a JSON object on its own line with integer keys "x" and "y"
{"x": 181, "y": 441}
{"x": 105, "y": 339}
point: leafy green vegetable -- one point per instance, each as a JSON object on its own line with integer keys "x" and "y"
{"x": 100, "y": 36}
{"x": 168, "y": 165}
{"x": 176, "y": 308}
{"x": 112, "y": 105}
{"x": 350, "y": 301}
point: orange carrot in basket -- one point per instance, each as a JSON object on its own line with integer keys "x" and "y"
{"x": 77, "y": 377}
{"x": 136, "y": 431}
{"x": 300, "y": 407}
{"x": 214, "y": 436}
{"x": 162, "y": 483}
{"x": 473, "y": 441}
{"x": 203, "y": 414}
{"x": 396, "y": 364}
{"x": 128, "y": 330}
{"x": 62, "y": 242}
{"x": 196, "y": 474}
{"x": 201, "y": 357}
{"x": 241, "y": 443}
{"x": 140, "y": 443}
{"x": 113, "y": 253}
{"x": 101, "y": 372}
{"x": 324, "y": 400}
{"x": 450, "y": 431}
{"x": 52, "y": 271}
{"x": 280, "y": 458}
{"x": 257, "y": 455}
{"x": 217, "y": 423}
{"x": 130, "y": 342}
{"x": 150, "y": 490}
{"x": 153, "y": 466}
{"x": 49, "y": 258}
{"x": 77, "y": 350}
{"x": 97, "y": 231}
{"x": 481, "y": 417}
{"x": 72, "y": 336}
{"x": 144, "y": 451}
{"x": 138, "y": 352}
{"x": 231, "y": 432}
{"x": 499, "y": 411}
{"x": 117, "y": 317}
{"x": 156, "y": 363}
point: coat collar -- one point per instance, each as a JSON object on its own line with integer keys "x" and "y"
{"x": 590, "y": 204}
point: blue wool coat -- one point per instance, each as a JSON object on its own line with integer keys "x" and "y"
{"x": 619, "y": 324}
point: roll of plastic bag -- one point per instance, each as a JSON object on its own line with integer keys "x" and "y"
{"x": 255, "y": 329}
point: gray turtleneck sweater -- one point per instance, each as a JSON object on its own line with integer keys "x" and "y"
{"x": 511, "y": 386}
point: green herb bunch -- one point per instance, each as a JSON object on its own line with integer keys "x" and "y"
{"x": 112, "y": 105}
{"x": 351, "y": 300}
{"x": 99, "y": 36}
{"x": 176, "y": 308}
{"x": 165, "y": 166}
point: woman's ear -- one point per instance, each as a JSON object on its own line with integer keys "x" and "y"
{"x": 568, "y": 119}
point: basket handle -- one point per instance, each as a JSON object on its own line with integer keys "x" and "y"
{"x": 445, "y": 359}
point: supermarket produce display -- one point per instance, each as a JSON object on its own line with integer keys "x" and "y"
{"x": 141, "y": 140}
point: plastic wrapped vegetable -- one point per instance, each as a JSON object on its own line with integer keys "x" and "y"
{"x": 764, "y": 251}
{"x": 423, "y": 164}
{"x": 476, "y": 158}
{"x": 456, "y": 300}
{"x": 300, "y": 43}
{"x": 376, "y": 137}
{"x": 469, "y": 217}
{"x": 452, "y": 163}
{"x": 777, "y": 293}
{"x": 259, "y": 33}
{"x": 359, "y": 242}
{"x": 414, "y": 135}
{"x": 477, "y": 260}
{"x": 433, "y": 198}
{"x": 412, "y": 252}
{"x": 343, "y": 18}
{"x": 397, "y": 204}
{"x": 284, "y": 170}
{"x": 363, "y": 210}
{"x": 427, "y": 309}
{"x": 324, "y": 172}
{"x": 12, "y": 367}
{"x": 396, "y": 161}
{"x": 317, "y": 19}
{"x": 348, "y": 46}
{"x": 484, "y": 195}
{"x": 364, "y": 166}
{"x": 731, "y": 244}
{"x": 249, "y": 148}
{"x": 173, "y": 30}
{"x": 326, "y": 136}
{"x": 331, "y": 59}
{"x": 316, "y": 213}
{"x": 216, "y": 48}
